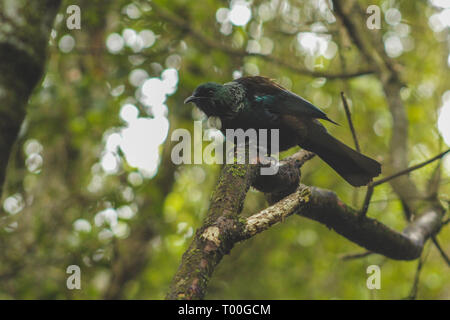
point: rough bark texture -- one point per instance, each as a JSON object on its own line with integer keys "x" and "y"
{"x": 325, "y": 207}
{"x": 24, "y": 32}
{"x": 217, "y": 235}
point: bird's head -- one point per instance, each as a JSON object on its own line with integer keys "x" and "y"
{"x": 207, "y": 97}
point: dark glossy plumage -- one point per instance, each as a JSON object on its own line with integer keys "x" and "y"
{"x": 276, "y": 99}
{"x": 259, "y": 103}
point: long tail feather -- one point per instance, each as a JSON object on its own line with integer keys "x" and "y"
{"x": 354, "y": 167}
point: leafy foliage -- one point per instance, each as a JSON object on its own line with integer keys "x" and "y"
{"x": 76, "y": 194}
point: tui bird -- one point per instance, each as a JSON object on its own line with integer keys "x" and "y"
{"x": 259, "y": 103}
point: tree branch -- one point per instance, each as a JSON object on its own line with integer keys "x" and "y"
{"x": 278, "y": 212}
{"x": 223, "y": 227}
{"x": 216, "y": 236}
{"x": 325, "y": 207}
{"x": 22, "y": 61}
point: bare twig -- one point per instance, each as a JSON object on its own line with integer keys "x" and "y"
{"x": 434, "y": 182}
{"x": 408, "y": 170}
{"x": 366, "y": 203}
{"x": 413, "y": 293}
{"x": 371, "y": 186}
{"x": 353, "y": 256}
{"x": 441, "y": 251}
{"x": 350, "y": 122}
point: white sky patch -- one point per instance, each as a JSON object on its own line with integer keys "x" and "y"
{"x": 114, "y": 42}
{"x": 222, "y": 15}
{"x": 135, "y": 178}
{"x": 393, "y": 16}
{"x": 140, "y": 138}
{"x": 313, "y": 44}
{"x": 121, "y": 230}
{"x": 153, "y": 92}
{"x": 439, "y": 21}
{"x": 110, "y": 163}
{"x": 129, "y": 112}
{"x": 148, "y": 37}
{"x": 130, "y": 36}
{"x": 132, "y": 39}
{"x": 82, "y": 225}
{"x": 445, "y": 16}
{"x": 34, "y": 163}
{"x": 113, "y": 142}
{"x": 14, "y": 204}
{"x": 32, "y": 146}
{"x": 393, "y": 46}
{"x": 240, "y": 13}
{"x": 137, "y": 77}
{"x": 125, "y": 212}
{"x": 441, "y": 3}
{"x": 170, "y": 80}
{"x": 140, "y": 143}
{"x": 237, "y": 74}
{"x": 444, "y": 118}
{"x": 66, "y": 43}
{"x": 108, "y": 216}
{"x": 132, "y": 11}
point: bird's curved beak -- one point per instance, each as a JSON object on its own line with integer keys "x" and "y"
{"x": 190, "y": 99}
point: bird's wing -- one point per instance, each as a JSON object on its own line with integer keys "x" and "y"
{"x": 277, "y": 99}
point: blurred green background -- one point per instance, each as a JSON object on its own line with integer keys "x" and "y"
{"x": 91, "y": 182}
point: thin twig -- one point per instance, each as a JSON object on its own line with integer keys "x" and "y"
{"x": 350, "y": 122}
{"x": 408, "y": 170}
{"x": 366, "y": 204}
{"x": 409, "y": 198}
{"x": 441, "y": 251}
{"x": 359, "y": 255}
{"x": 372, "y": 185}
{"x": 413, "y": 293}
